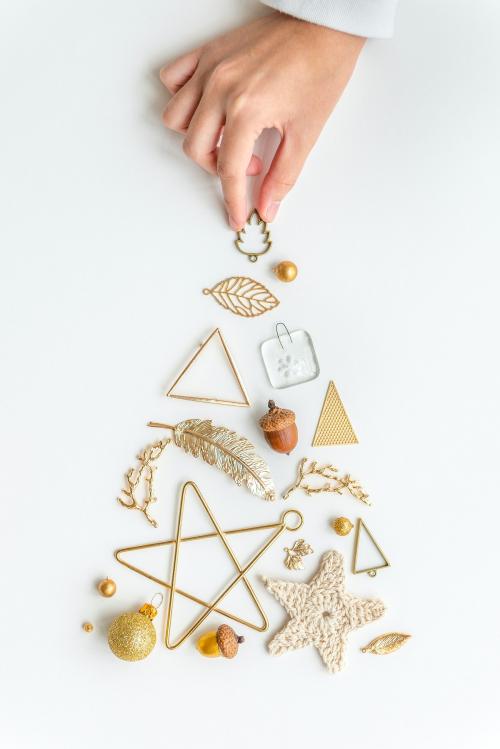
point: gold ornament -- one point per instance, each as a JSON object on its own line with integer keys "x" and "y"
{"x": 286, "y": 271}
{"x": 215, "y": 335}
{"x": 342, "y": 526}
{"x": 88, "y": 627}
{"x": 384, "y": 644}
{"x": 335, "y": 484}
{"x": 147, "y": 469}
{"x": 226, "y": 450}
{"x": 244, "y": 245}
{"x": 334, "y": 427}
{"x": 222, "y": 641}
{"x": 292, "y": 516}
{"x": 371, "y": 571}
{"x": 243, "y": 296}
{"x": 132, "y": 636}
{"x": 294, "y": 555}
{"x": 107, "y": 588}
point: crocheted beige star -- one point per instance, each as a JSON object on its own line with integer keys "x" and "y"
{"x": 322, "y": 613}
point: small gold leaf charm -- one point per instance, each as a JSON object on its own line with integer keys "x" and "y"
{"x": 294, "y": 555}
{"x": 243, "y": 296}
{"x": 385, "y": 644}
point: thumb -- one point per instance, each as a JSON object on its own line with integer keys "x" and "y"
{"x": 282, "y": 175}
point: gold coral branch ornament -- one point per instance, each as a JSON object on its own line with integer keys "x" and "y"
{"x": 243, "y": 296}
{"x": 226, "y": 450}
{"x": 335, "y": 483}
{"x": 146, "y": 469}
{"x": 384, "y": 644}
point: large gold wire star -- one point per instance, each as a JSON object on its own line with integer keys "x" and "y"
{"x": 321, "y": 612}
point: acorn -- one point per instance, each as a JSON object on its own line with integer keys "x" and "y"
{"x": 280, "y": 429}
{"x": 223, "y": 641}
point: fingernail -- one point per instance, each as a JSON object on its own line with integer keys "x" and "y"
{"x": 271, "y": 211}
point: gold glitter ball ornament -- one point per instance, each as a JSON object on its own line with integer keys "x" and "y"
{"x": 286, "y": 271}
{"x": 107, "y": 588}
{"x": 342, "y": 526}
{"x": 132, "y": 636}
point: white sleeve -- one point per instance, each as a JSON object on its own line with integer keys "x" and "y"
{"x": 371, "y": 18}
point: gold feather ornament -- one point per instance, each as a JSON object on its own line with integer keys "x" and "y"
{"x": 243, "y": 296}
{"x": 385, "y": 644}
{"x": 226, "y": 450}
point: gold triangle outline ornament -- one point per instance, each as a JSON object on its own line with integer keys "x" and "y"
{"x": 201, "y": 399}
{"x": 279, "y": 527}
{"x": 334, "y": 426}
{"x": 371, "y": 571}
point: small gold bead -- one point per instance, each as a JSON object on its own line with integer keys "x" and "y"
{"x": 87, "y": 627}
{"x": 286, "y": 271}
{"x": 107, "y": 588}
{"x": 342, "y": 526}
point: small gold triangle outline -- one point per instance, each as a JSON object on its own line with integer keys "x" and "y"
{"x": 334, "y": 426}
{"x": 372, "y": 571}
{"x": 200, "y": 399}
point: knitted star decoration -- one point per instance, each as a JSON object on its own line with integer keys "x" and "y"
{"x": 321, "y": 612}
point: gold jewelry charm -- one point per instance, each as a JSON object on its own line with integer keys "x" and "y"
{"x": 88, "y": 627}
{"x": 334, "y": 483}
{"x": 286, "y": 271}
{"x": 215, "y": 335}
{"x": 384, "y": 644}
{"x": 107, "y": 588}
{"x": 251, "y": 247}
{"x": 334, "y": 427}
{"x": 146, "y": 469}
{"x": 132, "y": 636}
{"x": 243, "y": 296}
{"x": 222, "y": 641}
{"x": 226, "y": 450}
{"x": 342, "y": 526}
{"x": 291, "y": 516}
{"x": 294, "y": 555}
{"x": 371, "y": 571}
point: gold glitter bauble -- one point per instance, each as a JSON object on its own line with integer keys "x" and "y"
{"x": 87, "y": 627}
{"x": 342, "y": 526}
{"x": 107, "y": 588}
{"x": 286, "y": 271}
{"x": 132, "y": 636}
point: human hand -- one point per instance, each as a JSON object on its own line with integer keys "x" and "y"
{"x": 276, "y": 72}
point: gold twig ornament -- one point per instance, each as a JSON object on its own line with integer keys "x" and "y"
{"x": 215, "y": 336}
{"x": 243, "y": 296}
{"x": 334, "y": 483}
{"x": 371, "y": 571}
{"x": 145, "y": 472}
{"x": 334, "y": 427}
{"x": 289, "y": 521}
{"x": 226, "y": 450}
{"x": 251, "y": 247}
{"x": 384, "y": 644}
{"x": 293, "y": 559}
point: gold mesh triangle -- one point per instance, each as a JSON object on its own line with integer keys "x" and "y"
{"x": 334, "y": 427}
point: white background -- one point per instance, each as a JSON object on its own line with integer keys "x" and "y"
{"x": 108, "y": 234}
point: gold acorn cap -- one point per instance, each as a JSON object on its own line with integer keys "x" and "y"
{"x": 276, "y": 418}
{"x": 228, "y": 641}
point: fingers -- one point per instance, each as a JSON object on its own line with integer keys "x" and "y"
{"x": 234, "y": 159}
{"x": 282, "y": 175}
{"x": 177, "y": 73}
{"x": 180, "y": 109}
{"x": 203, "y": 136}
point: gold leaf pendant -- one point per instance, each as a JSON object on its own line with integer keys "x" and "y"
{"x": 385, "y": 644}
{"x": 243, "y": 296}
{"x": 294, "y": 555}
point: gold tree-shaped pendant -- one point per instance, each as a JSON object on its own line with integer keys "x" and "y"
{"x": 251, "y": 246}
{"x": 293, "y": 559}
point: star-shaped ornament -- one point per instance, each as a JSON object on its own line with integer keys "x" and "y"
{"x": 321, "y": 612}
